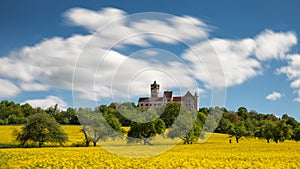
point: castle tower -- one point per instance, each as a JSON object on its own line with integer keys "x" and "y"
{"x": 196, "y": 101}
{"x": 154, "y": 89}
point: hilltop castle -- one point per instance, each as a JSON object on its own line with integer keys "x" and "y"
{"x": 188, "y": 100}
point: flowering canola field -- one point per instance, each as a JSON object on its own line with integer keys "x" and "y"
{"x": 215, "y": 153}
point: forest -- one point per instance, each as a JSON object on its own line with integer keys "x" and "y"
{"x": 146, "y": 123}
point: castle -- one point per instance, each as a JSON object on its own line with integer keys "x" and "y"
{"x": 188, "y": 100}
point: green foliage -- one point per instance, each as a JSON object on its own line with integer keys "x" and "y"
{"x": 238, "y": 131}
{"x": 144, "y": 131}
{"x": 170, "y": 113}
{"x": 99, "y": 126}
{"x": 296, "y": 134}
{"x": 41, "y": 128}
{"x": 281, "y": 131}
{"x": 266, "y": 126}
{"x": 290, "y": 121}
{"x": 266, "y": 130}
{"x": 188, "y": 126}
{"x": 277, "y": 131}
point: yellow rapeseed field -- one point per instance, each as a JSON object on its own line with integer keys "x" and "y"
{"x": 215, "y": 153}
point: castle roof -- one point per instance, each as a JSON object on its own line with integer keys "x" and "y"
{"x": 150, "y": 99}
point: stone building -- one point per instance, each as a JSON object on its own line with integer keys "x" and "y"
{"x": 188, "y": 100}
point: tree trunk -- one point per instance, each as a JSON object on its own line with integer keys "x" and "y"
{"x": 40, "y": 144}
{"x": 268, "y": 140}
{"x": 95, "y": 143}
{"x": 87, "y": 143}
{"x": 146, "y": 142}
{"x": 237, "y": 140}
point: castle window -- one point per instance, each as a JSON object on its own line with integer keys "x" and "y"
{"x": 146, "y": 104}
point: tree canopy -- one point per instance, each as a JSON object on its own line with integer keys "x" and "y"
{"x": 41, "y": 128}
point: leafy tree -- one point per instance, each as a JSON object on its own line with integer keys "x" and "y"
{"x": 188, "y": 127}
{"x": 68, "y": 116}
{"x": 266, "y": 130}
{"x": 296, "y": 134}
{"x": 212, "y": 119}
{"x": 170, "y": 113}
{"x": 97, "y": 127}
{"x": 233, "y": 117}
{"x": 27, "y": 109}
{"x": 243, "y": 113}
{"x": 204, "y": 110}
{"x": 41, "y": 128}
{"x": 251, "y": 126}
{"x": 238, "y": 131}
{"x": 281, "y": 131}
{"x": 223, "y": 126}
{"x": 143, "y": 131}
{"x": 290, "y": 121}
{"x": 271, "y": 117}
{"x": 53, "y": 111}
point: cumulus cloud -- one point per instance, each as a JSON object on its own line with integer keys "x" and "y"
{"x": 292, "y": 71}
{"x": 8, "y": 89}
{"x": 271, "y": 45}
{"x": 94, "y": 66}
{"x": 53, "y": 62}
{"x": 93, "y": 20}
{"x": 33, "y": 87}
{"x": 274, "y": 96}
{"x": 224, "y": 62}
{"x": 237, "y": 60}
{"x": 48, "y": 102}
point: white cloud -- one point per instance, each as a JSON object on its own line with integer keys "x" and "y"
{"x": 48, "y": 102}
{"x": 8, "y": 89}
{"x": 271, "y": 45}
{"x": 33, "y": 87}
{"x": 224, "y": 62}
{"x": 173, "y": 29}
{"x": 292, "y": 71}
{"x": 50, "y": 63}
{"x": 239, "y": 60}
{"x": 102, "y": 70}
{"x": 93, "y": 20}
{"x": 274, "y": 96}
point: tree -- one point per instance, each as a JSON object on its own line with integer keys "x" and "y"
{"x": 266, "y": 130}
{"x": 188, "y": 126}
{"x": 290, "y": 121}
{"x": 243, "y": 113}
{"x": 233, "y": 117}
{"x": 223, "y": 125}
{"x": 53, "y": 111}
{"x": 296, "y": 134}
{"x": 143, "y": 131}
{"x": 97, "y": 126}
{"x": 238, "y": 131}
{"x": 27, "y": 109}
{"x": 41, "y": 128}
{"x": 170, "y": 113}
{"x": 281, "y": 131}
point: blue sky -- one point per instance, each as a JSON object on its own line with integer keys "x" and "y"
{"x": 256, "y": 42}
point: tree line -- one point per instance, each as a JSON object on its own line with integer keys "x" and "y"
{"x": 13, "y": 113}
{"x": 107, "y": 121}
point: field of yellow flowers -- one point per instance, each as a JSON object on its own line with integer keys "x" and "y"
{"x": 215, "y": 153}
